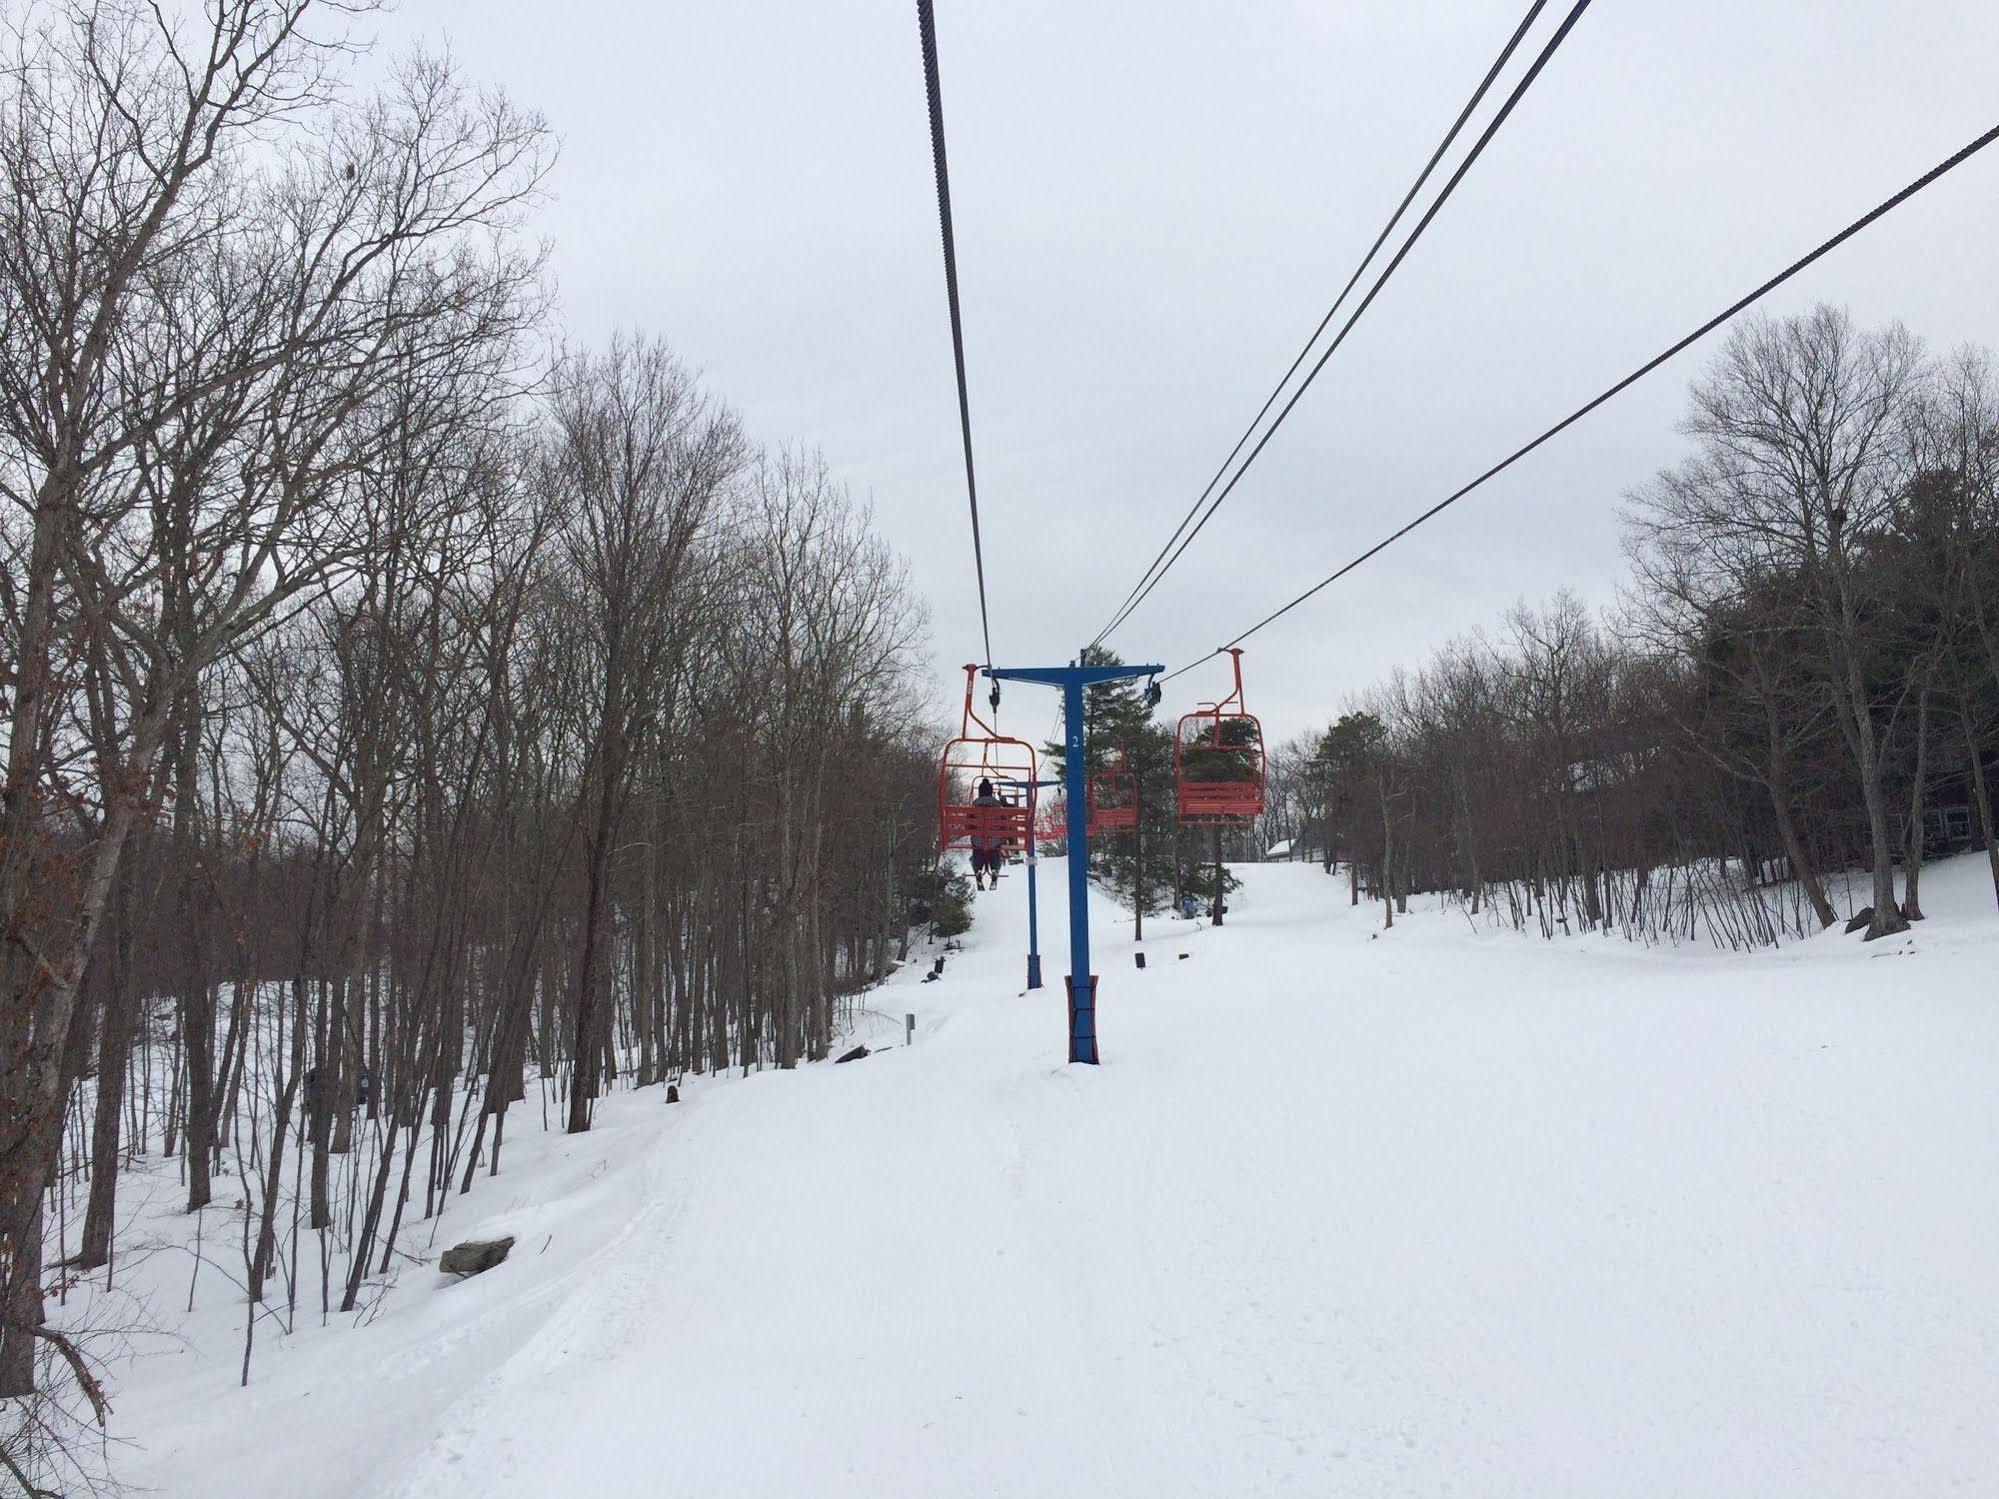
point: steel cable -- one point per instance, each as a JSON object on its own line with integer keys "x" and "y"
{"x": 1422, "y": 177}
{"x": 1887, "y": 205}
{"x": 926, "y": 25}
{"x": 1519, "y": 92}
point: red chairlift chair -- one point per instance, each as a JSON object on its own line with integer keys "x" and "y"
{"x": 982, "y": 753}
{"x": 1218, "y": 764}
{"x": 1051, "y": 822}
{"x": 1113, "y": 796}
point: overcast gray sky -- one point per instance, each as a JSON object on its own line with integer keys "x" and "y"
{"x": 1154, "y": 205}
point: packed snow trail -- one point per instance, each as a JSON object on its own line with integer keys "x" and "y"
{"x": 1425, "y": 1212}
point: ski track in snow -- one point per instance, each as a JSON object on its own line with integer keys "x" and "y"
{"x": 1425, "y": 1212}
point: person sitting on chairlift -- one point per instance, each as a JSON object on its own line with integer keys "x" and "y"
{"x": 988, "y": 841}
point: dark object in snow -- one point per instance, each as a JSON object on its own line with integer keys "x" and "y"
{"x": 1185, "y": 956}
{"x": 362, "y": 1079}
{"x": 673, "y": 1092}
{"x": 1138, "y": 958}
{"x": 938, "y": 966}
{"x": 853, "y": 1056}
{"x": 475, "y": 1255}
{"x": 930, "y": 978}
{"x": 1861, "y": 918}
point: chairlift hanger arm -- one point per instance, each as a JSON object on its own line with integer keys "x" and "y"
{"x": 972, "y": 719}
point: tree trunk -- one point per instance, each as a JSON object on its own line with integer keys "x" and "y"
{"x": 646, "y": 991}
{"x": 1887, "y": 915}
{"x": 1387, "y": 859}
{"x": 264, "y": 1258}
{"x": 1982, "y": 794}
{"x": 1912, "y": 835}
{"x": 1778, "y": 784}
{"x": 1468, "y": 827}
{"x": 1218, "y": 908}
{"x": 319, "y": 1099}
{"x": 1138, "y": 860}
{"x": 197, "y": 996}
{"x": 587, "y": 1048}
{"x": 21, "y": 1307}
{"x": 114, "y": 1048}
{"x": 1850, "y": 686}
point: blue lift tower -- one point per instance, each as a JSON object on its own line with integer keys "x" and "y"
{"x": 1076, "y": 768}
{"x": 1034, "y": 789}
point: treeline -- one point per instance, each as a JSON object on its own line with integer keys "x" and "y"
{"x": 392, "y": 712}
{"x": 1801, "y": 678}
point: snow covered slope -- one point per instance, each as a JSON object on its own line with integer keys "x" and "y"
{"x": 1425, "y": 1212}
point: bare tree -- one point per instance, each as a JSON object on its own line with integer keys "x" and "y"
{"x": 1799, "y": 424}
{"x": 213, "y": 263}
{"x": 641, "y": 456}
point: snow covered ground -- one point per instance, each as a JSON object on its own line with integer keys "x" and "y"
{"x": 1432, "y": 1211}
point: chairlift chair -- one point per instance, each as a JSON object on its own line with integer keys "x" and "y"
{"x": 1113, "y": 795}
{"x": 981, "y": 753}
{"x": 1218, "y": 760}
{"x": 1051, "y": 823}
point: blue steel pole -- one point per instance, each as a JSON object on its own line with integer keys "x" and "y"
{"x": 1082, "y": 983}
{"x": 1072, "y": 680}
{"x": 1033, "y": 921}
{"x": 1032, "y": 789}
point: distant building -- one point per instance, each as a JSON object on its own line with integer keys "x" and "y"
{"x": 1305, "y": 848}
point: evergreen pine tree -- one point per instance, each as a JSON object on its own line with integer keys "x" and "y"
{"x": 1121, "y": 724}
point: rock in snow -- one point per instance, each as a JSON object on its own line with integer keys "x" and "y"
{"x": 475, "y": 1255}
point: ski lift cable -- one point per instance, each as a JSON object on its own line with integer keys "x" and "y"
{"x": 1485, "y": 138}
{"x": 1422, "y": 177}
{"x": 926, "y": 25}
{"x": 1950, "y": 163}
